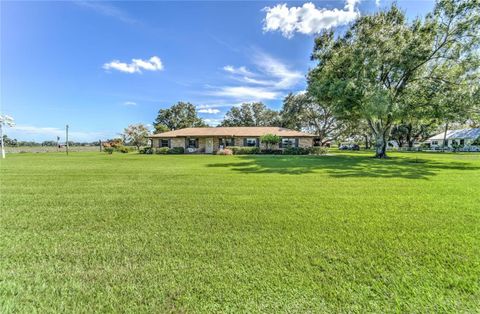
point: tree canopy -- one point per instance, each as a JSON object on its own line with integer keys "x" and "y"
{"x": 136, "y": 134}
{"x": 179, "y": 116}
{"x": 371, "y": 72}
{"x": 251, "y": 114}
{"x": 303, "y": 112}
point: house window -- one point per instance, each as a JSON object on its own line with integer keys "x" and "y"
{"x": 163, "y": 143}
{"x": 192, "y": 143}
{"x": 434, "y": 142}
{"x": 251, "y": 142}
{"x": 226, "y": 142}
{"x": 462, "y": 142}
{"x": 288, "y": 142}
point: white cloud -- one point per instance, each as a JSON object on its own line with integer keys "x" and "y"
{"x": 307, "y": 19}
{"x": 272, "y": 67}
{"x": 136, "y": 66}
{"x": 377, "y": 3}
{"x": 129, "y": 103}
{"x": 107, "y": 10}
{"x": 209, "y": 111}
{"x": 240, "y": 70}
{"x": 246, "y": 93}
{"x": 270, "y": 80}
{"x": 213, "y": 122}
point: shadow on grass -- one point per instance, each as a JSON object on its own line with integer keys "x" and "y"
{"x": 345, "y": 166}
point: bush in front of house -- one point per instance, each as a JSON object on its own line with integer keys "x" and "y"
{"x": 225, "y": 151}
{"x": 176, "y": 150}
{"x": 296, "y": 151}
{"x": 162, "y": 150}
{"x": 245, "y": 150}
{"x": 146, "y": 150}
{"x": 318, "y": 150}
{"x": 122, "y": 149}
{"x": 270, "y": 140}
{"x": 271, "y": 151}
{"x": 108, "y": 149}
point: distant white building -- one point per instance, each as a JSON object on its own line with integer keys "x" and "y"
{"x": 463, "y": 138}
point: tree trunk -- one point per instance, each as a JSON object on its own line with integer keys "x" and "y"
{"x": 366, "y": 141}
{"x": 445, "y": 137}
{"x": 381, "y": 145}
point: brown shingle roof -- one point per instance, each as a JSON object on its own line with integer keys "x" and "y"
{"x": 233, "y": 131}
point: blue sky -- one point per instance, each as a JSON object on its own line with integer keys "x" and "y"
{"x": 99, "y": 66}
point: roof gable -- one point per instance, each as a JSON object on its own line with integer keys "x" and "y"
{"x": 458, "y": 134}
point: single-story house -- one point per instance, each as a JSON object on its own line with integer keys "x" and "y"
{"x": 462, "y": 138}
{"x": 209, "y": 140}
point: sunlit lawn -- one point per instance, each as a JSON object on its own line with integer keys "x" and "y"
{"x": 151, "y": 233}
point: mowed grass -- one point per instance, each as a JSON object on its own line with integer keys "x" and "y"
{"x": 150, "y": 233}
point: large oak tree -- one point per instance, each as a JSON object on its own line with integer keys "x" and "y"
{"x": 179, "y": 116}
{"x": 373, "y": 69}
{"x": 251, "y": 114}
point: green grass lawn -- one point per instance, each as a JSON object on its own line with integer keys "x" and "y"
{"x": 152, "y": 233}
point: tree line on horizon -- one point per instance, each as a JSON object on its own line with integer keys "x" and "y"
{"x": 384, "y": 79}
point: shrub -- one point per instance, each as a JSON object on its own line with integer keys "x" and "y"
{"x": 108, "y": 149}
{"x": 243, "y": 150}
{"x": 296, "y": 151}
{"x": 122, "y": 149}
{"x": 162, "y": 150}
{"x": 318, "y": 150}
{"x": 225, "y": 151}
{"x": 146, "y": 150}
{"x": 272, "y": 151}
{"x": 176, "y": 150}
{"x": 270, "y": 139}
{"x": 477, "y": 141}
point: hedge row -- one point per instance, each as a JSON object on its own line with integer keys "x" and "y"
{"x": 162, "y": 150}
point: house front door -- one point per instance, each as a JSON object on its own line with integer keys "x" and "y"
{"x": 209, "y": 145}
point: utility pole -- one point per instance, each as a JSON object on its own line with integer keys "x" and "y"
{"x": 66, "y": 136}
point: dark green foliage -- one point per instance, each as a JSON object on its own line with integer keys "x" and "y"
{"x": 244, "y": 150}
{"x": 123, "y": 149}
{"x": 146, "y": 150}
{"x": 162, "y": 150}
{"x": 251, "y": 114}
{"x": 109, "y": 150}
{"x": 385, "y": 70}
{"x": 270, "y": 139}
{"x": 271, "y": 151}
{"x": 179, "y": 116}
{"x": 296, "y": 151}
{"x": 176, "y": 150}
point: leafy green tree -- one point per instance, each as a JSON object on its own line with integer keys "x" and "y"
{"x": 380, "y": 60}
{"x": 251, "y": 114}
{"x": 179, "y": 116}
{"x": 270, "y": 140}
{"x": 304, "y": 112}
{"x": 136, "y": 134}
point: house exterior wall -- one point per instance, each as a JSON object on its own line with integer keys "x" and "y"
{"x": 304, "y": 142}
